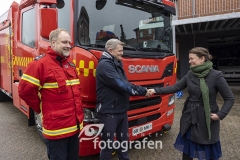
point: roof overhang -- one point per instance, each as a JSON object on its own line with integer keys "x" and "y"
{"x": 222, "y": 22}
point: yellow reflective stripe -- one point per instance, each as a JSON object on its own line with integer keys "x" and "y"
{"x": 55, "y": 84}
{"x": 81, "y": 126}
{"x": 31, "y": 79}
{"x": 73, "y": 82}
{"x": 50, "y": 85}
{"x": 60, "y": 131}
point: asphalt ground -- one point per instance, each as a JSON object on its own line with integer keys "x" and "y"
{"x": 20, "y": 142}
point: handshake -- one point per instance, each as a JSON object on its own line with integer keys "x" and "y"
{"x": 150, "y": 92}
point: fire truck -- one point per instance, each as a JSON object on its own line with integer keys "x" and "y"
{"x": 143, "y": 25}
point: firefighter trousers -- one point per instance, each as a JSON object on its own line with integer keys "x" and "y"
{"x": 63, "y": 149}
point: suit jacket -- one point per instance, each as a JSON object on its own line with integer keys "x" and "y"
{"x": 193, "y": 114}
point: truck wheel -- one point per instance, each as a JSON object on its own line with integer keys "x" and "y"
{"x": 3, "y": 97}
{"x": 38, "y": 124}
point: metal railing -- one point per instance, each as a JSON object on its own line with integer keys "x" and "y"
{"x": 198, "y": 8}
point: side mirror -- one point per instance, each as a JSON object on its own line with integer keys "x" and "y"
{"x": 48, "y": 21}
{"x": 60, "y": 4}
{"x": 100, "y": 4}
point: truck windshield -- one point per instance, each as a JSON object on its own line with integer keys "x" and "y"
{"x": 141, "y": 28}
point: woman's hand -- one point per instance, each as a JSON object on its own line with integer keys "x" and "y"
{"x": 150, "y": 92}
{"x": 214, "y": 117}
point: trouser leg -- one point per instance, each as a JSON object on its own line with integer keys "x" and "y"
{"x": 122, "y": 137}
{"x": 107, "y": 135}
{"x": 57, "y": 149}
{"x": 73, "y": 148}
{"x": 186, "y": 157}
{"x": 63, "y": 149}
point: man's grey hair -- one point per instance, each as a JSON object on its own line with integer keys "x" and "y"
{"x": 112, "y": 44}
{"x": 53, "y": 36}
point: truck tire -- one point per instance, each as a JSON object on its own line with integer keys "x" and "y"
{"x": 3, "y": 97}
{"x": 38, "y": 124}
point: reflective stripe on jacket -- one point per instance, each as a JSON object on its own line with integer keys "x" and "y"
{"x": 52, "y": 83}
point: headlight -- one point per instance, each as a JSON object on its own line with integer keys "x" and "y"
{"x": 90, "y": 116}
{"x": 171, "y": 100}
{"x": 169, "y": 112}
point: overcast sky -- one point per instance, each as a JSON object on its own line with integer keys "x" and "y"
{"x": 5, "y": 5}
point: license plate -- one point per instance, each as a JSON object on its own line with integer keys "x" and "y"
{"x": 141, "y": 129}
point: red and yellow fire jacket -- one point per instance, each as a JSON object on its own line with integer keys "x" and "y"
{"x": 50, "y": 85}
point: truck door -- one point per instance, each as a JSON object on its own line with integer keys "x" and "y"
{"x": 27, "y": 42}
{"x": 6, "y": 56}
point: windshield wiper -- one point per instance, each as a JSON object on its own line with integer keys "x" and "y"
{"x": 154, "y": 50}
{"x": 103, "y": 46}
{"x": 129, "y": 48}
{"x": 98, "y": 45}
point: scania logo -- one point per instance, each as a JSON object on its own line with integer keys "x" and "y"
{"x": 143, "y": 68}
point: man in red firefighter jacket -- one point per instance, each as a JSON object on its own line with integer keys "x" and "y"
{"x": 50, "y": 85}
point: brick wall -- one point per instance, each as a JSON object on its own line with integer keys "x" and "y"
{"x": 199, "y": 8}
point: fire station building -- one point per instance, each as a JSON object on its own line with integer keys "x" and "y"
{"x": 213, "y": 24}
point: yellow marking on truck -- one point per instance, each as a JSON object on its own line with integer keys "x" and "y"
{"x": 85, "y": 69}
{"x": 175, "y": 70}
{"x": 22, "y": 61}
{"x": 2, "y": 59}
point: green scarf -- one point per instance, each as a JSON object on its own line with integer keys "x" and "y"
{"x": 202, "y": 71}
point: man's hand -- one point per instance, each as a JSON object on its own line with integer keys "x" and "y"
{"x": 150, "y": 92}
{"x": 214, "y": 117}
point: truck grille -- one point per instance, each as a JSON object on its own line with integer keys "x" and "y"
{"x": 153, "y": 85}
{"x": 144, "y": 103}
{"x": 138, "y": 104}
{"x": 137, "y": 122}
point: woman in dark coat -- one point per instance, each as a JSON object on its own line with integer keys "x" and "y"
{"x": 201, "y": 115}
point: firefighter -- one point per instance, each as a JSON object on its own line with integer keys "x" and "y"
{"x": 50, "y": 85}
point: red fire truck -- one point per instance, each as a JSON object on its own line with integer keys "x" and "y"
{"x": 144, "y": 26}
